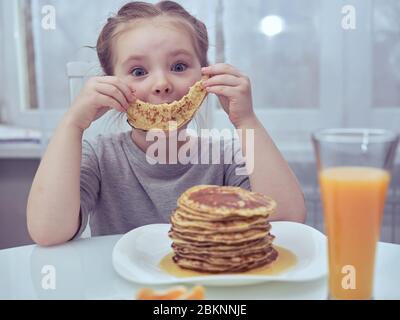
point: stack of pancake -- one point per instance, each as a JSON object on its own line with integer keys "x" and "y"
{"x": 222, "y": 229}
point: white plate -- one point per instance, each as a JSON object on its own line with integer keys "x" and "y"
{"x": 136, "y": 256}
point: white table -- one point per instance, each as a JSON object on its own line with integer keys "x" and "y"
{"x": 84, "y": 270}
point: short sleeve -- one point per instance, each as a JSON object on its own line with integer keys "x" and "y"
{"x": 89, "y": 184}
{"x": 235, "y": 173}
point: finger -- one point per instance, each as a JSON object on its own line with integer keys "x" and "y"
{"x": 122, "y": 86}
{"x": 226, "y": 80}
{"x": 107, "y": 101}
{"x": 221, "y": 68}
{"x": 113, "y": 92}
{"x": 226, "y": 91}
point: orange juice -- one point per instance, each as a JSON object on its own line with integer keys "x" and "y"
{"x": 353, "y": 200}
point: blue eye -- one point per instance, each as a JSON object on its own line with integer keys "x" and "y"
{"x": 138, "y": 72}
{"x": 179, "y": 67}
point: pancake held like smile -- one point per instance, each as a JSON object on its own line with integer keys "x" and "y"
{"x": 146, "y": 116}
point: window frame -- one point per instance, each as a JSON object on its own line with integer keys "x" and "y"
{"x": 291, "y": 128}
{"x": 18, "y": 111}
{"x": 359, "y": 43}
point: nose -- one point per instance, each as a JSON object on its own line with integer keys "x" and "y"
{"x": 164, "y": 90}
{"x": 162, "y": 86}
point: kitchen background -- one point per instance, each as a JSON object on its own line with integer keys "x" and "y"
{"x": 313, "y": 64}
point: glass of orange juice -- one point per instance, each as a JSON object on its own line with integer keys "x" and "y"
{"x": 354, "y": 168}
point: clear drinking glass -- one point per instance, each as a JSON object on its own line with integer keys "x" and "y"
{"x": 354, "y": 169}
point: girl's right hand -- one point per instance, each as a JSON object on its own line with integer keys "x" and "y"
{"x": 98, "y": 96}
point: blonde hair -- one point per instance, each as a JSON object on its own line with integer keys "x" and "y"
{"x": 134, "y": 11}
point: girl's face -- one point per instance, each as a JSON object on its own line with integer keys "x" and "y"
{"x": 158, "y": 60}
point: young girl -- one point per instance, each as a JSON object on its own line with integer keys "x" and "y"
{"x": 154, "y": 53}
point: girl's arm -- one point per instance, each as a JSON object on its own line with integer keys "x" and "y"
{"x": 271, "y": 174}
{"x": 54, "y": 200}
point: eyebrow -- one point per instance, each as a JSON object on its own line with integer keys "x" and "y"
{"x": 142, "y": 57}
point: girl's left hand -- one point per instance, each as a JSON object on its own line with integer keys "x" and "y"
{"x": 233, "y": 90}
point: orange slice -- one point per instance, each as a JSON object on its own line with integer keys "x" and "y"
{"x": 175, "y": 293}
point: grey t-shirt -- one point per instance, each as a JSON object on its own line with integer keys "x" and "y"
{"x": 121, "y": 190}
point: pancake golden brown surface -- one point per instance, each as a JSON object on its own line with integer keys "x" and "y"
{"x": 146, "y": 116}
{"x": 222, "y": 229}
{"x": 225, "y": 202}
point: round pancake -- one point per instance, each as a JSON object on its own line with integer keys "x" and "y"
{"x": 187, "y": 219}
{"x": 226, "y": 201}
{"x": 221, "y": 230}
{"x": 194, "y": 252}
{"x": 220, "y": 238}
{"x": 226, "y": 234}
{"x": 146, "y": 116}
{"x": 201, "y": 216}
{"x": 203, "y": 227}
{"x": 229, "y": 260}
{"x": 224, "y": 247}
{"x": 204, "y": 266}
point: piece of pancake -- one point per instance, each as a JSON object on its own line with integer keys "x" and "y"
{"x": 245, "y": 265}
{"x": 190, "y": 217}
{"x": 146, "y": 116}
{"x": 186, "y": 251}
{"x": 223, "y": 246}
{"x": 232, "y": 260}
{"x": 226, "y": 201}
{"x": 208, "y": 227}
{"x": 220, "y": 238}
